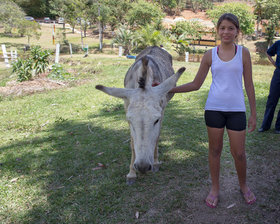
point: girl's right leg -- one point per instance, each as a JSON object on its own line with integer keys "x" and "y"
{"x": 215, "y": 136}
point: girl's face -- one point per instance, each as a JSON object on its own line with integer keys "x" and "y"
{"x": 227, "y": 31}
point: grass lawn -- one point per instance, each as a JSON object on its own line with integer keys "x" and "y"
{"x": 46, "y": 41}
{"x": 53, "y": 144}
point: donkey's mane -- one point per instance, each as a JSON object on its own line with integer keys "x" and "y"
{"x": 143, "y": 78}
{"x": 142, "y": 82}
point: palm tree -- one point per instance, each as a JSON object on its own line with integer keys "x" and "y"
{"x": 148, "y": 36}
{"x": 124, "y": 37}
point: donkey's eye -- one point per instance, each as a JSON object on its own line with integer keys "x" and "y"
{"x": 156, "y": 121}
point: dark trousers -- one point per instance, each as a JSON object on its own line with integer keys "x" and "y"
{"x": 272, "y": 100}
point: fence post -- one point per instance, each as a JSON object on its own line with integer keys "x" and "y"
{"x": 120, "y": 51}
{"x": 13, "y": 55}
{"x": 6, "y": 59}
{"x": 57, "y": 53}
{"x": 187, "y": 56}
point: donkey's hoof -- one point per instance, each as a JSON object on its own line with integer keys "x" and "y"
{"x": 130, "y": 181}
{"x": 156, "y": 168}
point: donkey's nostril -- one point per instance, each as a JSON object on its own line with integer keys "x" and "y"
{"x": 150, "y": 167}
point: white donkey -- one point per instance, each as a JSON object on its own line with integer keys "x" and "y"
{"x": 145, "y": 104}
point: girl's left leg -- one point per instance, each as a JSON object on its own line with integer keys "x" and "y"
{"x": 237, "y": 148}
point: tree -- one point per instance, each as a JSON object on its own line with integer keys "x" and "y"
{"x": 270, "y": 30}
{"x": 268, "y": 10}
{"x": 169, "y": 6}
{"x": 67, "y": 9}
{"x": 29, "y": 29}
{"x": 100, "y": 13}
{"x": 190, "y": 29}
{"x": 196, "y": 5}
{"x": 241, "y": 10}
{"x": 117, "y": 6}
{"x": 184, "y": 32}
{"x": 259, "y": 9}
{"x": 147, "y": 36}
{"x": 143, "y": 13}
{"x": 10, "y": 15}
{"x": 36, "y": 8}
{"x": 124, "y": 37}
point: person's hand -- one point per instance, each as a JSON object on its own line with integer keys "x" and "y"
{"x": 252, "y": 123}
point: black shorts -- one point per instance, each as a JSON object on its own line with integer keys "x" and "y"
{"x": 235, "y": 121}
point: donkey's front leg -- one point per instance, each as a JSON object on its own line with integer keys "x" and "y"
{"x": 156, "y": 161}
{"x": 131, "y": 176}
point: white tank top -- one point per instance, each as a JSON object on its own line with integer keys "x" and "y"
{"x": 226, "y": 91}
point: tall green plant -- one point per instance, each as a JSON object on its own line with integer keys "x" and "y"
{"x": 36, "y": 64}
{"x": 124, "y": 37}
{"x": 180, "y": 43}
{"x": 148, "y": 36}
{"x": 40, "y": 59}
{"x": 184, "y": 32}
{"x": 23, "y": 69}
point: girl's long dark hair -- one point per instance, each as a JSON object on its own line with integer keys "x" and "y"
{"x": 230, "y": 17}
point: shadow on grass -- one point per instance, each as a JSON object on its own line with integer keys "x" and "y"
{"x": 66, "y": 164}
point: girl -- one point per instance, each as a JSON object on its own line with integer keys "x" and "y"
{"x": 225, "y": 105}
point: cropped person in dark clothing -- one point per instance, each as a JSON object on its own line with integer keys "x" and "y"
{"x": 274, "y": 92}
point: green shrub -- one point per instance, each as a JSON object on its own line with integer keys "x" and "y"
{"x": 23, "y": 69}
{"x": 58, "y": 72}
{"x": 40, "y": 59}
{"x": 37, "y": 63}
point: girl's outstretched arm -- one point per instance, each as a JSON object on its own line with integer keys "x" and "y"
{"x": 199, "y": 78}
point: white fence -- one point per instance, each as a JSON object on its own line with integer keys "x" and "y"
{"x": 13, "y": 55}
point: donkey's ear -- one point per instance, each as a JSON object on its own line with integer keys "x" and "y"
{"x": 169, "y": 83}
{"x": 117, "y": 92}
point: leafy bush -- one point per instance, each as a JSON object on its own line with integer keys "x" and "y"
{"x": 124, "y": 36}
{"x": 37, "y": 63}
{"x": 184, "y": 32}
{"x": 23, "y": 69}
{"x": 148, "y": 36}
{"x": 40, "y": 59}
{"x": 180, "y": 43}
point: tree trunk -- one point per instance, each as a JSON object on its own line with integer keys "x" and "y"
{"x": 85, "y": 31}
{"x": 100, "y": 36}
{"x": 258, "y": 27}
{"x": 100, "y": 32}
{"x": 82, "y": 41}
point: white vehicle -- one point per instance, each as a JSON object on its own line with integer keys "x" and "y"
{"x": 30, "y": 18}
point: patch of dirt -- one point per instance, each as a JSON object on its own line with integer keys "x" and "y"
{"x": 188, "y": 14}
{"x": 39, "y": 84}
